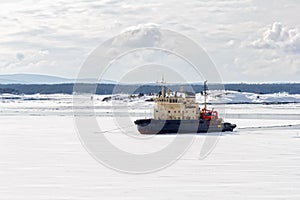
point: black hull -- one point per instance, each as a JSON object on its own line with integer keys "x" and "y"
{"x": 152, "y": 126}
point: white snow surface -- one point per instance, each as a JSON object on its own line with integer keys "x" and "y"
{"x": 42, "y": 158}
{"x": 246, "y": 97}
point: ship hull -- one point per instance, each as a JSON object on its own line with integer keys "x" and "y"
{"x": 152, "y": 126}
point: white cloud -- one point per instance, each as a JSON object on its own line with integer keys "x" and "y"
{"x": 270, "y": 55}
{"x": 279, "y": 37}
{"x": 145, "y": 35}
{"x": 62, "y": 33}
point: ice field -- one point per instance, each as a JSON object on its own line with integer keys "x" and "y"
{"x": 41, "y": 156}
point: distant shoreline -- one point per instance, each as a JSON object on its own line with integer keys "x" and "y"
{"x": 105, "y": 88}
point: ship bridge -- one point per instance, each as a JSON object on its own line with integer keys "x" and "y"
{"x": 176, "y": 106}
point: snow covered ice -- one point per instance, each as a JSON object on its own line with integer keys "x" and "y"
{"x": 41, "y": 156}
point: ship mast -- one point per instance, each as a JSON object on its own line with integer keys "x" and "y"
{"x": 205, "y": 93}
{"x": 163, "y": 87}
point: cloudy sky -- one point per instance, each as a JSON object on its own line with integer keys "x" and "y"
{"x": 248, "y": 40}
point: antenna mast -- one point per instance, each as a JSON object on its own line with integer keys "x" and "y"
{"x": 163, "y": 86}
{"x": 205, "y": 93}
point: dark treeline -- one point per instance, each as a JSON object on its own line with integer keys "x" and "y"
{"x": 292, "y": 88}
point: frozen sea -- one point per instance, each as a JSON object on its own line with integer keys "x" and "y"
{"x": 42, "y": 157}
